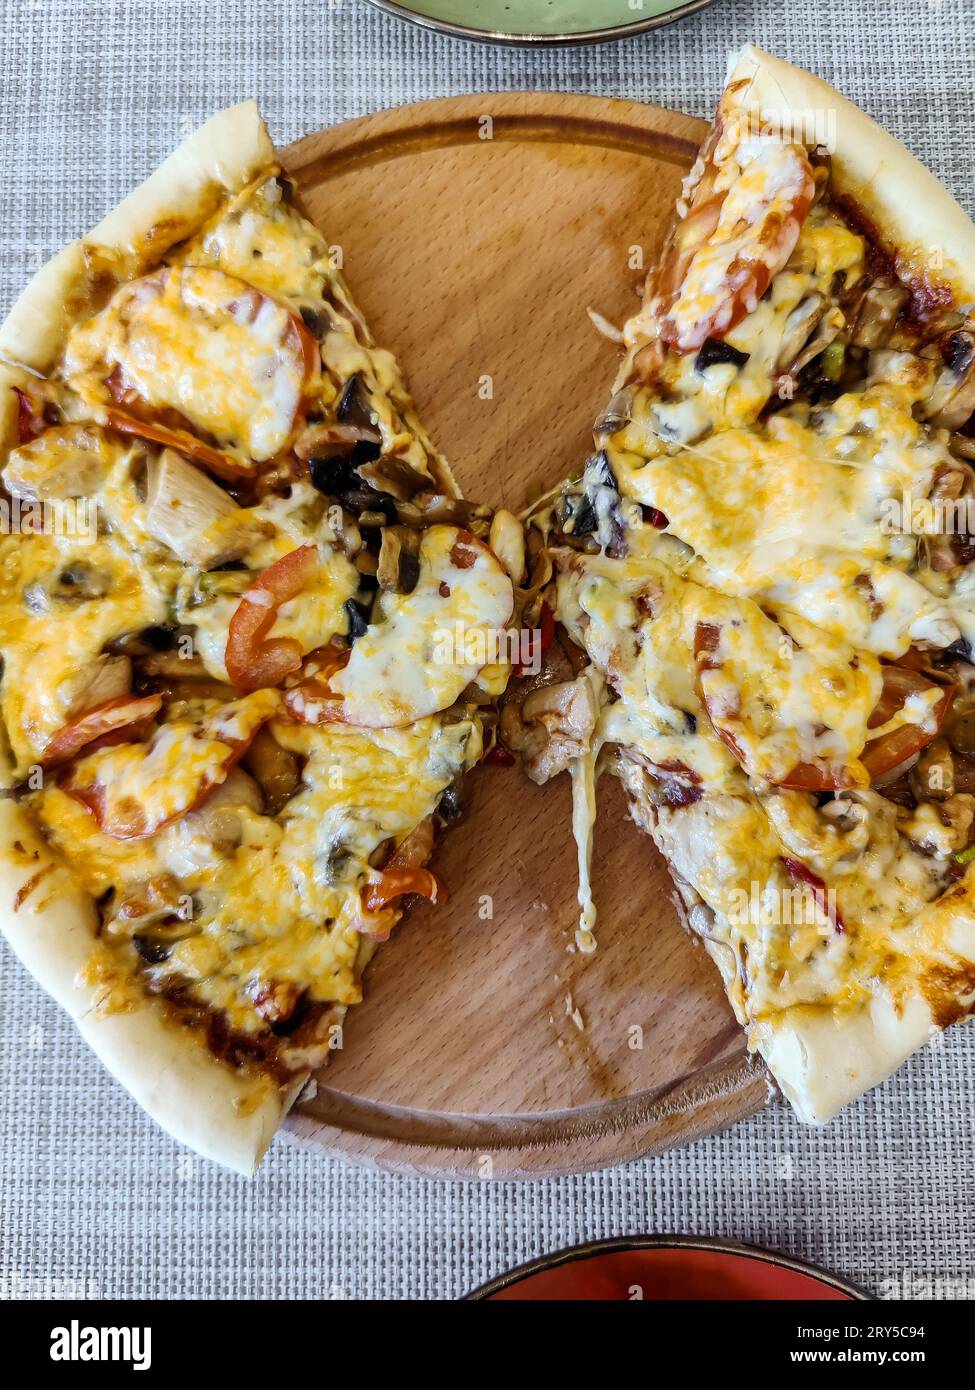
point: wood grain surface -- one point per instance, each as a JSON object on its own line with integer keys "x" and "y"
{"x": 475, "y": 231}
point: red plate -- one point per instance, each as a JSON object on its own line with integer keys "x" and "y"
{"x": 667, "y": 1267}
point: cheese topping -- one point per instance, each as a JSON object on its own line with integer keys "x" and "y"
{"x": 229, "y": 358}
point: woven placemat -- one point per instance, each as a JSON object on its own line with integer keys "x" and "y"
{"x": 94, "y": 1199}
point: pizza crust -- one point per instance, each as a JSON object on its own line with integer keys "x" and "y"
{"x": 932, "y": 232}
{"x": 222, "y": 157}
{"x": 50, "y": 922}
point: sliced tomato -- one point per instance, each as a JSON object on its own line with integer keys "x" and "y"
{"x": 30, "y": 422}
{"x": 544, "y": 638}
{"x": 423, "y": 648}
{"x": 253, "y": 662}
{"x": 394, "y": 883}
{"x": 139, "y": 789}
{"x": 724, "y": 263}
{"x": 499, "y": 756}
{"x": 879, "y": 755}
{"x": 224, "y": 465}
{"x": 801, "y": 874}
{"x": 233, "y": 362}
{"x": 124, "y": 713}
{"x": 890, "y": 750}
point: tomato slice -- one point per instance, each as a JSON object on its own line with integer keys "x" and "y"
{"x": 253, "y": 662}
{"x": 801, "y": 874}
{"x": 890, "y": 750}
{"x": 123, "y": 712}
{"x": 879, "y": 755}
{"x": 30, "y": 423}
{"x": 544, "y": 639}
{"x": 185, "y": 443}
{"x": 195, "y": 345}
{"x": 723, "y": 264}
{"x": 461, "y": 602}
{"x": 139, "y": 789}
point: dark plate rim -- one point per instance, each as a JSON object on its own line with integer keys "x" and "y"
{"x": 573, "y": 1253}
{"x": 590, "y": 36}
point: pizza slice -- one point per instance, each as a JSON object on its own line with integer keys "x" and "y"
{"x": 765, "y": 577}
{"x": 252, "y": 640}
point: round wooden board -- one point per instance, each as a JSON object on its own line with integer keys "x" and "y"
{"x": 475, "y": 231}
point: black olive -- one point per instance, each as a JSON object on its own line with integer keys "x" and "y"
{"x": 317, "y": 320}
{"x": 714, "y": 351}
{"x": 353, "y": 406}
{"x": 582, "y": 515}
{"x": 451, "y": 804}
{"x": 603, "y": 470}
{"x": 958, "y": 353}
{"x": 151, "y": 951}
{"x": 334, "y": 474}
{"x": 162, "y": 639}
{"x": 958, "y": 651}
{"x": 358, "y": 618}
{"x": 365, "y": 451}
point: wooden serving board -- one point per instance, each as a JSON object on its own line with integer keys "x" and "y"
{"x": 475, "y": 231}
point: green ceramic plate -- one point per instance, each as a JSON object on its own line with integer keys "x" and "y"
{"x": 541, "y": 21}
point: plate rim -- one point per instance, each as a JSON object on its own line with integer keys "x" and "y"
{"x": 499, "y": 38}
{"x": 572, "y": 1254}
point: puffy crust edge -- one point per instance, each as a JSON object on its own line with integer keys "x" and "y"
{"x": 50, "y": 923}
{"x": 222, "y": 157}
{"x": 910, "y": 208}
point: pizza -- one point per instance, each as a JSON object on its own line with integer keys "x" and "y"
{"x": 232, "y": 728}
{"x": 765, "y": 581}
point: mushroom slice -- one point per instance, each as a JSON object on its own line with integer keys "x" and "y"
{"x": 879, "y": 311}
{"x": 425, "y": 647}
{"x": 64, "y": 461}
{"x": 952, "y": 400}
{"x": 798, "y": 329}
{"x": 507, "y": 540}
{"x": 398, "y": 569}
{"x": 194, "y": 517}
{"x": 106, "y": 679}
{"x": 553, "y": 727}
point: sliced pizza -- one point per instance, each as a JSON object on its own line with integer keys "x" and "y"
{"x": 765, "y": 577}
{"x": 233, "y": 721}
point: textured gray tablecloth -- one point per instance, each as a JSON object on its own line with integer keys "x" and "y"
{"x": 94, "y": 1199}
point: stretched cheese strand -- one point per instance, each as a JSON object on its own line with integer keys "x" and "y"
{"x": 584, "y": 776}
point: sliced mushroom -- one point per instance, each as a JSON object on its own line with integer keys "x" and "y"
{"x": 617, "y": 414}
{"x": 952, "y": 400}
{"x": 393, "y": 476}
{"x": 66, "y": 461}
{"x": 194, "y": 517}
{"x": 949, "y": 486}
{"x": 878, "y": 313}
{"x": 398, "y": 568}
{"x": 552, "y": 728}
{"x": 106, "y": 679}
{"x": 798, "y": 328}
{"x": 831, "y": 325}
{"x": 507, "y": 540}
{"x": 933, "y": 775}
{"x": 338, "y": 438}
{"x": 218, "y": 820}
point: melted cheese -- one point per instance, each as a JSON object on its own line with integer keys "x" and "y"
{"x": 426, "y": 646}
{"x": 51, "y": 633}
{"x": 283, "y": 906}
{"x": 206, "y": 344}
